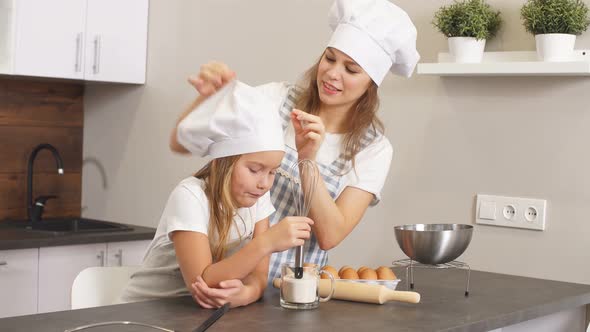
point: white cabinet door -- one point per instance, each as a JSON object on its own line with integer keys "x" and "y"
{"x": 50, "y": 38}
{"x": 18, "y": 282}
{"x": 116, "y": 40}
{"x": 59, "y": 266}
{"x": 128, "y": 253}
{"x": 7, "y": 10}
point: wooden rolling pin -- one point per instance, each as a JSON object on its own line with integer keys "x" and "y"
{"x": 354, "y": 291}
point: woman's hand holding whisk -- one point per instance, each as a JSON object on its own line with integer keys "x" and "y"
{"x": 309, "y": 133}
{"x": 288, "y": 233}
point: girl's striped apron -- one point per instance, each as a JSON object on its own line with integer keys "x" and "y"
{"x": 282, "y": 197}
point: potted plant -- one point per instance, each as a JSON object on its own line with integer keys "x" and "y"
{"x": 555, "y": 24}
{"x": 467, "y": 24}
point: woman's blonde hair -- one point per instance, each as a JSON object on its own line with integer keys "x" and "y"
{"x": 362, "y": 118}
{"x": 217, "y": 176}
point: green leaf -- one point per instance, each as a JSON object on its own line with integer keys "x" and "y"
{"x": 555, "y": 16}
{"x": 468, "y": 18}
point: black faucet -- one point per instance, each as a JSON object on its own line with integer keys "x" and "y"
{"x": 35, "y": 210}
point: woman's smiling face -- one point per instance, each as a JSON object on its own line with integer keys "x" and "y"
{"x": 341, "y": 81}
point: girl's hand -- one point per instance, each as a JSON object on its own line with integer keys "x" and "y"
{"x": 309, "y": 133}
{"x": 209, "y": 298}
{"x": 212, "y": 77}
{"x": 288, "y": 233}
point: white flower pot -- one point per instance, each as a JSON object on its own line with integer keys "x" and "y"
{"x": 466, "y": 49}
{"x": 555, "y": 47}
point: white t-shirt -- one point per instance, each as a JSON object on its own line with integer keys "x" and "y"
{"x": 187, "y": 209}
{"x": 371, "y": 164}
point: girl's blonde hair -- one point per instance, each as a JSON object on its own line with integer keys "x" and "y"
{"x": 217, "y": 178}
{"x": 362, "y": 118}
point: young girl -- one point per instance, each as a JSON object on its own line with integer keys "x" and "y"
{"x": 331, "y": 118}
{"x": 215, "y": 226}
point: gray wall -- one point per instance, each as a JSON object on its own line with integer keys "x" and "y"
{"x": 453, "y": 137}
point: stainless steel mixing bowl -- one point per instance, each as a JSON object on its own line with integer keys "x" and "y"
{"x": 433, "y": 243}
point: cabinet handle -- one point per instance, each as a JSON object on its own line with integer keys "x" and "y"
{"x": 78, "y": 65}
{"x": 101, "y": 257}
{"x": 3, "y": 263}
{"x": 119, "y": 256}
{"x": 96, "y": 65}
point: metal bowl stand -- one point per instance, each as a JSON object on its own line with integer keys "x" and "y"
{"x": 410, "y": 264}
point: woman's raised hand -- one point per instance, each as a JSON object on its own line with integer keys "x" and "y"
{"x": 212, "y": 77}
{"x": 309, "y": 133}
{"x": 288, "y": 233}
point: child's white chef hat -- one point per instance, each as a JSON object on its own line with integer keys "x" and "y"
{"x": 377, "y": 34}
{"x": 237, "y": 119}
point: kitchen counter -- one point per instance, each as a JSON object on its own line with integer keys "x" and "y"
{"x": 496, "y": 300}
{"x": 13, "y": 238}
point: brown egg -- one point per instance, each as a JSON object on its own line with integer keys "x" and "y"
{"x": 361, "y": 269}
{"x": 331, "y": 270}
{"x": 344, "y": 268}
{"x": 349, "y": 274}
{"x": 309, "y": 265}
{"x": 385, "y": 273}
{"x": 368, "y": 274}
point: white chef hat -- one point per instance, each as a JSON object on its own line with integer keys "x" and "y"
{"x": 235, "y": 120}
{"x": 377, "y": 34}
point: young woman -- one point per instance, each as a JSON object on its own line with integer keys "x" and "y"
{"x": 215, "y": 227}
{"x": 330, "y": 118}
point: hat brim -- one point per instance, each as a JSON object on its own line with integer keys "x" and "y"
{"x": 363, "y": 50}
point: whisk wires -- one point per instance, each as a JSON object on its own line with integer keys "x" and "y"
{"x": 304, "y": 177}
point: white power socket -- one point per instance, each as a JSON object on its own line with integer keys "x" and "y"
{"x": 518, "y": 212}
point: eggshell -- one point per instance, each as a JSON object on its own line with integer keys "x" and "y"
{"x": 350, "y": 274}
{"x": 385, "y": 273}
{"x": 361, "y": 269}
{"x": 344, "y": 268}
{"x": 331, "y": 270}
{"x": 368, "y": 274}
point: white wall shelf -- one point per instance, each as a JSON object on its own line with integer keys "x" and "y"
{"x": 509, "y": 64}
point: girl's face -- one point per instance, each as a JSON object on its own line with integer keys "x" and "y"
{"x": 341, "y": 81}
{"x": 253, "y": 175}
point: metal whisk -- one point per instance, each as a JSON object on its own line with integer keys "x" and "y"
{"x": 302, "y": 195}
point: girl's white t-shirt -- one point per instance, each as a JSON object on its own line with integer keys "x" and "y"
{"x": 187, "y": 209}
{"x": 371, "y": 164}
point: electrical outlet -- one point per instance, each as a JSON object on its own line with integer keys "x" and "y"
{"x": 509, "y": 211}
{"x": 518, "y": 212}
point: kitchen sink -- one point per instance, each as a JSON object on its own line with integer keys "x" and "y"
{"x": 67, "y": 225}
